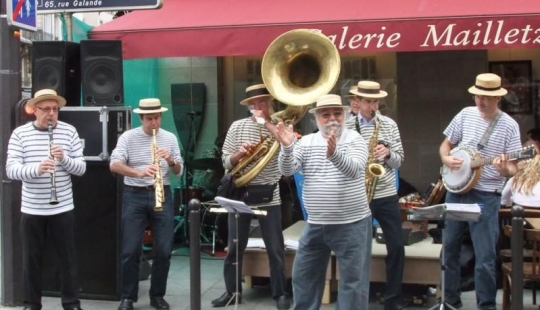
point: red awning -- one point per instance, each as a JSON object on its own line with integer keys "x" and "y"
{"x": 247, "y": 27}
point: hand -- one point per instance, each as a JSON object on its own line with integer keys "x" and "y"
{"x": 57, "y": 152}
{"x": 331, "y": 145}
{"x": 163, "y": 153}
{"x": 380, "y": 152}
{"x": 149, "y": 171}
{"x": 454, "y": 163}
{"x": 284, "y": 134}
{"x": 46, "y": 166}
{"x": 500, "y": 164}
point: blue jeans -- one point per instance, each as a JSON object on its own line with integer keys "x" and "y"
{"x": 484, "y": 236}
{"x": 351, "y": 243}
{"x": 137, "y": 210}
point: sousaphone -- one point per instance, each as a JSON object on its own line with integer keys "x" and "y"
{"x": 298, "y": 67}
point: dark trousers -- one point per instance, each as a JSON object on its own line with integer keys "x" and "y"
{"x": 60, "y": 229}
{"x": 137, "y": 210}
{"x": 273, "y": 240}
{"x": 386, "y": 211}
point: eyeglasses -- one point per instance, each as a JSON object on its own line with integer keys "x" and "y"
{"x": 49, "y": 109}
{"x": 327, "y": 115}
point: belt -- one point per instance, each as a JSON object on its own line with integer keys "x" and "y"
{"x": 148, "y": 187}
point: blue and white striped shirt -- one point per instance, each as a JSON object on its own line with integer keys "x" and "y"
{"x": 334, "y": 189}
{"x": 134, "y": 148}
{"x": 468, "y": 128}
{"x": 27, "y": 148}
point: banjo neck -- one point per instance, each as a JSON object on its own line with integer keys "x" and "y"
{"x": 478, "y": 162}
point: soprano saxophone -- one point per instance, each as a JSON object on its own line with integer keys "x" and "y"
{"x": 158, "y": 177}
{"x": 374, "y": 171}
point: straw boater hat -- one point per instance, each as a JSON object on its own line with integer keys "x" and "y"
{"x": 368, "y": 89}
{"x": 255, "y": 91}
{"x": 329, "y": 101}
{"x": 46, "y": 94}
{"x": 488, "y": 84}
{"x": 149, "y": 105}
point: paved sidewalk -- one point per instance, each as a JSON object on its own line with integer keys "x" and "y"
{"x": 212, "y": 286}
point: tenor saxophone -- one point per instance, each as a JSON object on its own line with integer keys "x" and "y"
{"x": 158, "y": 177}
{"x": 374, "y": 171}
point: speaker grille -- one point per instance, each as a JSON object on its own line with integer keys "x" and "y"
{"x": 102, "y": 72}
{"x": 56, "y": 65}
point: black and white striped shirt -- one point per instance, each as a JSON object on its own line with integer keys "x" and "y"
{"x": 245, "y": 130}
{"x": 334, "y": 189}
{"x": 134, "y": 148}
{"x": 468, "y": 128}
{"x": 389, "y": 134}
{"x": 27, "y": 148}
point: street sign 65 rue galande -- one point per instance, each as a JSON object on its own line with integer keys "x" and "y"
{"x": 58, "y": 6}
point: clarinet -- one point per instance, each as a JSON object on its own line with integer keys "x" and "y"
{"x": 53, "y": 200}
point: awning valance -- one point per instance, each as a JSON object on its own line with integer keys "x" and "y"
{"x": 247, "y": 27}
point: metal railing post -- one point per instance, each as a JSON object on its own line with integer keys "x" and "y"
{"x": 517, "y": 257}
{"x": 194, "y": 208}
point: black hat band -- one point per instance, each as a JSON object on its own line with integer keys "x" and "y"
{"x": 257, "y": 92}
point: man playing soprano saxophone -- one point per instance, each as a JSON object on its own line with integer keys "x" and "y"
{"x": 132, "y": 158}
{"x": 385, "y": 148}
{"x": 29, "y": 160}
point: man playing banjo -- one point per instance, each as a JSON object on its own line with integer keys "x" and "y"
{"x": 492, "y": 133}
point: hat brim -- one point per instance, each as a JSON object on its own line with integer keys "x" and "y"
{"x": 344, "y": 107}
{"x": 381, "y": 94}
{"x": 247, "y": 100}
{"x": 139, "y": 111}
{"x": 32, "y": 102}
{"x": 499, "y": 92}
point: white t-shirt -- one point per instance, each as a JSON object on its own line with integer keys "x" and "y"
{"x": 510, "y": 196}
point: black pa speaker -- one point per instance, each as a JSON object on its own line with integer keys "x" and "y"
{"x": 102, "y": 73}
{"x": 56, "y": 65}
{"x": 98, "y": 212}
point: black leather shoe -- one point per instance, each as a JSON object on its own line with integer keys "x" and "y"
{"x": 126, "y": 304}
{"x": 283, "y": 303}
{"x": 226, "y": 300}
{"x": 159, "y": 303}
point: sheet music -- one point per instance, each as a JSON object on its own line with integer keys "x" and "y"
{"x": 256, "y": 243}
{"x": 233, "y": 205}
{"x": 451, "y": 211}
{"x": 291, "y": 244}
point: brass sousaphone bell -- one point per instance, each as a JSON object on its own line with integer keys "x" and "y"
{"x": 298, "y": 67}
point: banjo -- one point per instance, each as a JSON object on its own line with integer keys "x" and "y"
{"x": 463, "y": 180}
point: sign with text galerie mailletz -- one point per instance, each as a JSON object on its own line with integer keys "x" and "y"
{"x": 59, "y": 6}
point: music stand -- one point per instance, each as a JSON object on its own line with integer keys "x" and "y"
{"x": 450, "y": 211}
{"x": 236, "y": 207}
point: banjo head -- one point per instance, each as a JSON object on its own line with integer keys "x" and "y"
{"x": 457, "y": 181}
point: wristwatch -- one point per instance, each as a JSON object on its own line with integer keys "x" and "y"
{"x": 173, "y": 163}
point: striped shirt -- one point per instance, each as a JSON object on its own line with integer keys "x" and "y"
{"x": 334, "y": 188}
{"x": 134, "y": 148}
{"x": 27, "y": 148}
{"x": 468, "y": 128}
{"x": 245, "y": 130}
{"x": 389, "y": 134}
